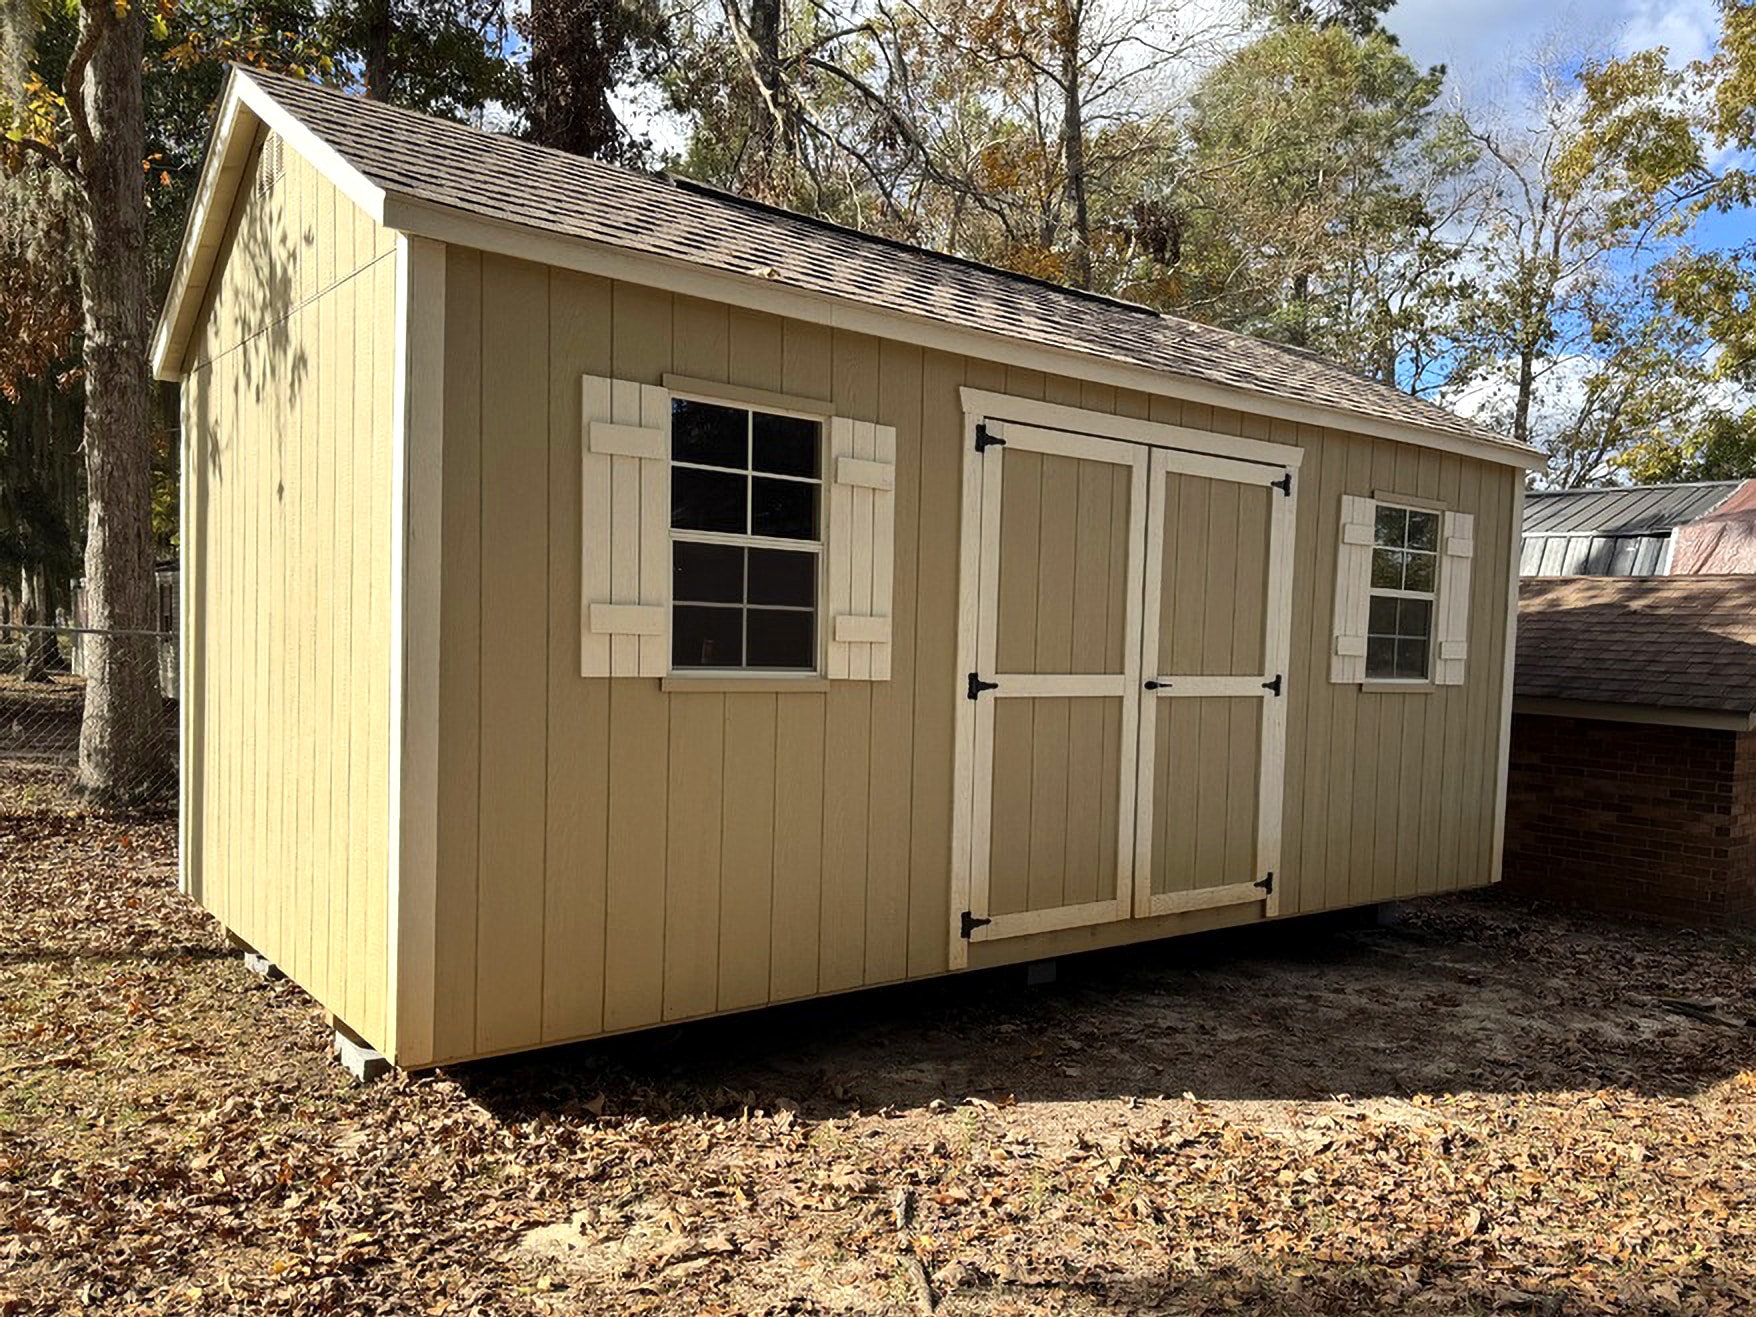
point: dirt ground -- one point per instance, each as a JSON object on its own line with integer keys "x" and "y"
{"x": 1480, "y": 1109}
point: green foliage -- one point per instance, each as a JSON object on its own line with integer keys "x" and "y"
{"x": 1313, "y": 190}
{"x": 1720, "y": 446}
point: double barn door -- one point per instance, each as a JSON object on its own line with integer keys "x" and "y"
{"x": 1129, "y": 648}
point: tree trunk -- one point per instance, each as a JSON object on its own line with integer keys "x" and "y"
{"x": 1069, "y": 21}
{"x": 769, "y": 137}
{"x": 36, "y": 610}
{"x": 1526, "y": 387}
{"x": 121, "y": 742}
{"x": 379, "y": 26}
{"x": 574, "y": 52}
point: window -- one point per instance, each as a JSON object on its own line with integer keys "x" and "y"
{"x": 746, "y": 538}
{"x": 1404, "y": 589}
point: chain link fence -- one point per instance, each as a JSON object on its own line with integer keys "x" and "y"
{"x": 43, "y": 673}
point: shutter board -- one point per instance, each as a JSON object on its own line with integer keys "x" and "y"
{"x": 1353, "y": 578}
{"x": 860, "y": 548}
{"x": 626, "y": 440}
{"x": 625, "y": 528}
{"x": 1454, "y": 587}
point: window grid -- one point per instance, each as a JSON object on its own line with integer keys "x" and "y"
{"x": 750, "y": 539}
{"x": 1405, "y": 544}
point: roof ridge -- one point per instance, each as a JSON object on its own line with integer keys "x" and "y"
{"x": 469, "y": 168}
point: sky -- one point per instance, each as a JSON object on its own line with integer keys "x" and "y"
{"x": 1480, "y": 43}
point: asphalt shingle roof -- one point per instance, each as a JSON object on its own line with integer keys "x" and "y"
{"x": 1678, "y": 642}
{"x": 502, "y": 178}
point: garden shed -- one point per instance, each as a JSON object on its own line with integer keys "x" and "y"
{"x": 608, "y": 601}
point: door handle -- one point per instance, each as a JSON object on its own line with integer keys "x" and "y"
{"x": 1156, "y": 684}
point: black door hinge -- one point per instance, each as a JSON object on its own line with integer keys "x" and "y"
{"x": 986, "y": 438}
{"x": 1285, "y": 484}
{"x": 977, "y": 685}
{"x": 971, "y": 924}
{"x": 1267, "y": 884}
{"x": 1156, "y": 685}
{"x": 1273, "y": 686}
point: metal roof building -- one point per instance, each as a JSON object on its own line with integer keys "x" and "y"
{"x": 1611, "y": 532}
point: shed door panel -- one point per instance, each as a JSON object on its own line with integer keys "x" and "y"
{"x": 1058, "y": 635}
{"x": 1212, "y": 724}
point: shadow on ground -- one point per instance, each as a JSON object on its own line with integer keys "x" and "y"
{"x": 1472, "y": 993}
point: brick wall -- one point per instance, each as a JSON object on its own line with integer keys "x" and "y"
{"x": 1633, "y": 817}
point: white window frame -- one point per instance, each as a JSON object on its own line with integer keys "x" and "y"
{"x": 817, "y": 547}
{"x": 1431, "y": 597}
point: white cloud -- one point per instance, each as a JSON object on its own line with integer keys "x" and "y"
{"x": 1480, "y": 39}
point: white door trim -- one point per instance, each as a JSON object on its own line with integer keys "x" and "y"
{"x": 1270, "y": 686}
{"x": 990, "y": 472}
{"x": 1004, "y": 410}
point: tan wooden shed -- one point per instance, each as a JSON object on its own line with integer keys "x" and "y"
{"x": 610, "y": 602}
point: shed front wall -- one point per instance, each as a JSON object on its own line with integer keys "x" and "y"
{"x": 613, "y": 855}
{"x": 287, "y": 411}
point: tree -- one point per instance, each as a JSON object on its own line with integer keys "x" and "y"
{"x": 1721, "y": 446}
{"x": 441, "y": 56}
{"x": 1322, "y": 198}
{"x": 580, "y": 51}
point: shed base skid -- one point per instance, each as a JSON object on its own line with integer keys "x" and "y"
{"x": 358, "y": 1057}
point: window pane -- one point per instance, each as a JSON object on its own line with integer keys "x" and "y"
{"x": 708, "y": 500}
{"x": 784, "y": 508}
{"x": 1380, "y": 656}
{"x": 780, "y": 577}
{"x": 1414, "y": 618}
{"x": 710, "y": 435}
{"x": 1387, "y": 569}
{"x": 706, "y": 637}
{"x": 1391, "y": 527}
{"x": 1423, "y": 530}
{"x": 1381, "y": 621}
{"x": 781, "y": 639}
{"x": 707, "y": 573}
{"x": 786, "y": 445}
{"x": 1411, "y": 658}
{"x": 1419, "y": 573}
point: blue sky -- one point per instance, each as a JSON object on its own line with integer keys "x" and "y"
{"x": 1486, "y": 44}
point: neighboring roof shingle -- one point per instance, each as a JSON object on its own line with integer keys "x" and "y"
{"x": 1677, "y": 642}
{"x": 502, "y": 178}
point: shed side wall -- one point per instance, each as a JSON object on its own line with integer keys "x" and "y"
{"x": 287, "y": 411}
{"x": 613, "y": 856}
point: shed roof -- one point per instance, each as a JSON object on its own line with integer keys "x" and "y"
{"x": 1635, "y": 510}
{"x": 1668, "y": 642}
{"x": 1610, "y": 532}
{"x": 439, "y": 163}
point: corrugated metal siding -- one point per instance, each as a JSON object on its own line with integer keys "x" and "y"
{"x": 1595, "y": 555}
{"x": 1611, "y": 532}
{"x": 1621, "y": 511}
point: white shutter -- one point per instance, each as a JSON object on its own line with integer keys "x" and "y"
{"x": 860, "y": 547}
{"x": 1353, "y": 579}
{"x": 625, "y": 524}
{"x": 1451, "y": 635}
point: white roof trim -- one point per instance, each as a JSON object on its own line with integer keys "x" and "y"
{"x": 422, "y": 218}
{"x": 465, "y": 229}
{"x": 243, "y": 106}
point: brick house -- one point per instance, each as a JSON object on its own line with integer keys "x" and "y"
{"x": 1632, "y": 782}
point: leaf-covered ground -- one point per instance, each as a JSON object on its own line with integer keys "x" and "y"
{"x": 1479, "y": 1109}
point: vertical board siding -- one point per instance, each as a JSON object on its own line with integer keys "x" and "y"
{"x": 288, "y": 415}
{"x": 614, "y": 855}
